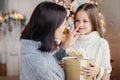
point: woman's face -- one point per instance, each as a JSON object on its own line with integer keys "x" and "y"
{"x": 83, "y": 22}
{"x": 59, "y": 31}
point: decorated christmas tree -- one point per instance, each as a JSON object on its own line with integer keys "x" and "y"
{"x": 72, "y": 5}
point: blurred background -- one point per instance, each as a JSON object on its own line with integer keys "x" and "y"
{"x": 14, "y": 14}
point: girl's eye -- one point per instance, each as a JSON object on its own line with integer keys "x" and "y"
{"x": 85, "y": 21}
{"x": 77, "y": 20}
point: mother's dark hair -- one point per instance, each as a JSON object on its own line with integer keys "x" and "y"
{"x": 45, "y": 19}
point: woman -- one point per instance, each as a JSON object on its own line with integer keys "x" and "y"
{"x": 40, "y": 40}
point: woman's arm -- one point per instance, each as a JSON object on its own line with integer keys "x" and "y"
{"x": 71, "y": 38}
{"x": 60, "y": 54}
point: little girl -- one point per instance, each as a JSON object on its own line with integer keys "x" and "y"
{"x": 90, "y": 43}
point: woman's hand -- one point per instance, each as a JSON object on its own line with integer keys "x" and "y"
{"x": 106, "y": 75}
{"x": 61, "y": 63}
{"x": 71, "y": 38}
{"x": 90, "y": 72}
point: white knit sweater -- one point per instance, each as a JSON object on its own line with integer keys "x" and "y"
{"x": 92, "y": 46}
{"x": 38, "y": 65}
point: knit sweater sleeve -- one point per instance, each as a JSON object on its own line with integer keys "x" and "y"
{"x": 60, "y": 54}
{"x": 105, "y": 60}
{"x": 39, "y": 69}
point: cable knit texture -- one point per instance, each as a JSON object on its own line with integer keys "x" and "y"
{"x": 92, "y": 46}
{"x": 38, "y": 65}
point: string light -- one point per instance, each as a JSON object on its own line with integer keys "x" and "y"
{"x": 66, "y": 32}
{"x": 89, "y": 1}
{"x": 16, "y": 15}
{"x": 13, "y": 15}
{"x": 70, "y": 8}
{"x": 56, "y": 1}
{"x": 96, "y": 3}
{"x": 2, "y": 19}
{"x": 102, "y": 19}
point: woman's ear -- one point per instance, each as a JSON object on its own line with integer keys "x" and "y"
{"x": 57, "y": 41}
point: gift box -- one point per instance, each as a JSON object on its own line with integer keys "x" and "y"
{"x": 72, "y": 66}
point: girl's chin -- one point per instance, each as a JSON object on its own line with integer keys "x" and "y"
{"x": 81, "y": 32}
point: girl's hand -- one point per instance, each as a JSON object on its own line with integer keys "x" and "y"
{"x": 90, "y": 72}
{"x": 71, "y": 38}
{"x": 106, "y": 75}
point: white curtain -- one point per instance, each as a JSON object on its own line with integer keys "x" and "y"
{"x": 9, "y": 40}
{"x": 13, "y": 32}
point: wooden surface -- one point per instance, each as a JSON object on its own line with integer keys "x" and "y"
{"x": 115, "y": 56}
{"x": 112, "y": 17}
{"x": 3, "y": 71}
{"x": 9, "y": 78}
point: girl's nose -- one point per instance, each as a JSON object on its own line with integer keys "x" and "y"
{"x": 80, "y": 24}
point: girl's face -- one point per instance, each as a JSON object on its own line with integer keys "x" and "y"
{"x": 83, "y": 22}
{"x": 59, "y": 31}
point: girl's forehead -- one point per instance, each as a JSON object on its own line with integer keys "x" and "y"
{"x": 82, "y": 14}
